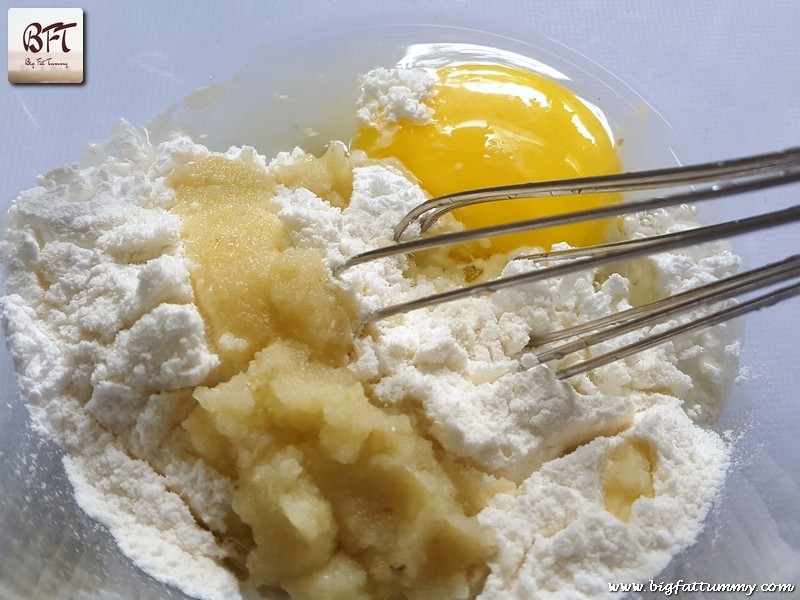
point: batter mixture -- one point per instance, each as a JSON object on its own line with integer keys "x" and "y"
{"x": 177, "y": 327}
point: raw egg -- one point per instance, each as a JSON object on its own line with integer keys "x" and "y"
{"x": 497, "y": 125}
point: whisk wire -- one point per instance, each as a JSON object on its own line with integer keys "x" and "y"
{"x": 634, "y": 318}
{"x": 645, "y": 246}
{"x": 714, "y": 172}
{"x": 605, "y": 328}
{"x": 652, "y": 341}
{"x": 701, "y": 182}
{"x": 782, "y": 176}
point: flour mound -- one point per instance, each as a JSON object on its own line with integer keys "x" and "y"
{"x": 101, "y": 321}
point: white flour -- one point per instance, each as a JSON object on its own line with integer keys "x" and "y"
{"x": 100, "y": 321}
{"x": 392, "y": 94}
{"x": 107, "y": 341}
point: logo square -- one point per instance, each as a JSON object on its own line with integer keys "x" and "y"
{"x": 45, "y": 45}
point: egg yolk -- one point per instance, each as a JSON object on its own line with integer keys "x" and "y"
{"x": 496, "y": 125}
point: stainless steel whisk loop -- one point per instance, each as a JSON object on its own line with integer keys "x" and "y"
{"x": 696, "y": 183}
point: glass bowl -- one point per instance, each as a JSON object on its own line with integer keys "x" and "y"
{"x": 260, "y": 95}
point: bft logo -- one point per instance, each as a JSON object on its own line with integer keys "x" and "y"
{"x": 32, "y": 36}
{"x": 45, "y": 45}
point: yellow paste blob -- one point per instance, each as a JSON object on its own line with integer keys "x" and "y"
{"x": 628, "y": 476}
{"x": 342, "y": 498}
{"x": 497, "y": 125}
{"x": 340, "y": 495}
{"x": 248, "y": 285}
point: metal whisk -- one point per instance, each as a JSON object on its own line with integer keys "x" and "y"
{"x": 701, "y": 182}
